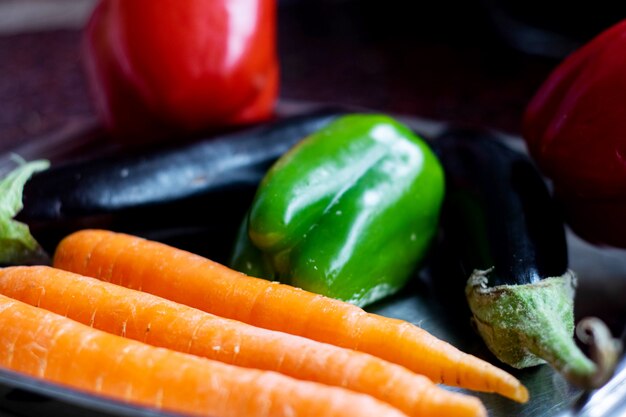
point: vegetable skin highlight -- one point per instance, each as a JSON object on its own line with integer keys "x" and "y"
{"x": 502, "y": 228}
{"x": 158, "y": 70}
{"x": 163, "y": 323}
{"x": 201, "y": 283}
{"x": 166, "y": 194}
{"x": 574, "y": 129}
{"x": 349, "y": 212}
{"x": 46, "y": 345}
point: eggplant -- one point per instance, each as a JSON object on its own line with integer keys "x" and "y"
{"x": 503, "y": 243}
{"x": 191, "y": 196}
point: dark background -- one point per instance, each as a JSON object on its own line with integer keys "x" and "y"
{"x": 476, "y": 61}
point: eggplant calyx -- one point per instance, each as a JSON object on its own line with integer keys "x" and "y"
{"x": 17, "y": 245}
{"x": 530, "y": 324}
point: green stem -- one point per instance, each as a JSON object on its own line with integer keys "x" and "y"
{"x": 604, "y": 350}
{"x": 17, "y": 245}
{"x": 526, "y": 325}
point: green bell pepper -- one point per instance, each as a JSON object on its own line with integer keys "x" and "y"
{"x": 349, "y": 212}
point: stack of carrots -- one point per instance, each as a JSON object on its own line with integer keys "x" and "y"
{"x": 142, "y": 322}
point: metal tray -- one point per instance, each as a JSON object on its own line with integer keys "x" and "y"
{"x": 601, "y": 292}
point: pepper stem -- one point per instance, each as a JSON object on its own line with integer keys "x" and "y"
{"x": 529, "y": 324}
{"x": 17, "y": 245}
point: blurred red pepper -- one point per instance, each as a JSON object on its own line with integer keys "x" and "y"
{"x": 164, "y": 67}
{"x": 575, "y": 128}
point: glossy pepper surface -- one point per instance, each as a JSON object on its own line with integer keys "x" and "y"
{"x": 168, "y": 67}
{"x": 575, "y": 128}
{"x": 348, "y": 212}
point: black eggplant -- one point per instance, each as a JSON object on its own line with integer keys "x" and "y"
{"x": 504, "y": 238}
{"x": 191, "y": 196}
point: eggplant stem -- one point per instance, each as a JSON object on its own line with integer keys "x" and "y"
{"x": 604, "y": 349}
{"x": 528, "y": 324}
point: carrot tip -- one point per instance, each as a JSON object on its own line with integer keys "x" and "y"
{"x": 520, "y": 394}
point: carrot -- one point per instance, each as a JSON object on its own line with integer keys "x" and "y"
{"x": 46, "y": 345}
{"x": 201, "y": 283}
{"x": 160, "y": 322}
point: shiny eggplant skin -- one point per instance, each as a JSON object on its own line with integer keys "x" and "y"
{"x": 504, "y": 235}
{"x": 192, "y": 196}
{"x": 498, "y": 212}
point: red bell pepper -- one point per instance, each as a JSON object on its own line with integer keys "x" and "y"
{"x": 575, "y": 128}
{"x": 163, "y": 67}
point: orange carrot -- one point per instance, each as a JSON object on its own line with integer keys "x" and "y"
{"x": 160, "y": 322}
{"x": 198, "y": 282}
{"x": 46, "y": 345}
